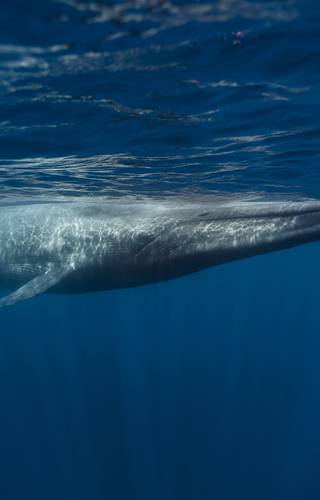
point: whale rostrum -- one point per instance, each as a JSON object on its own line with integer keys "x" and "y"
{"x": 77, "y": 247}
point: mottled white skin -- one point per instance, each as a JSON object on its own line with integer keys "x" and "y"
{"x": 117, "y": 244}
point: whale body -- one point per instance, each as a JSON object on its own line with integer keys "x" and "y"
{"x": 77, "y": 247}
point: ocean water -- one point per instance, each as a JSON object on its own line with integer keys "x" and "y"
{"x": 206, "y": 387}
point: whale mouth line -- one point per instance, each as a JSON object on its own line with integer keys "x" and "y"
{"x": 272, "y": 214}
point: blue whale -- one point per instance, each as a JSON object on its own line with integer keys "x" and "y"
{"x": 84, "y": 246}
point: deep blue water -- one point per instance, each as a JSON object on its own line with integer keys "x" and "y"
{"x": 205, "y": 387}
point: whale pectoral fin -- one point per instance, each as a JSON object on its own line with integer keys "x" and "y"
{"x": 36, "y": 286}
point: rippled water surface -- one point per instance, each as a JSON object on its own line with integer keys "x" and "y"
{"x": 152, "y": 96}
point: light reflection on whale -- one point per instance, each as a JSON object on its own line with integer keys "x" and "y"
{"x": 83, "y": 246}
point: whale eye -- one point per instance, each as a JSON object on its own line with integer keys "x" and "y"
{"x": 204, "y": 214}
